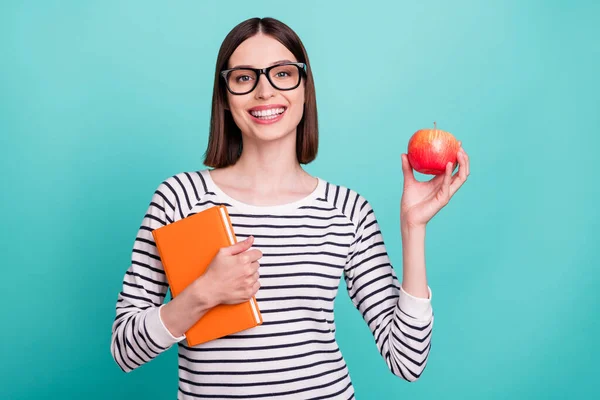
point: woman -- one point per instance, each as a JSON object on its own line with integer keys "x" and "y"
{"x": 302, "y": 232}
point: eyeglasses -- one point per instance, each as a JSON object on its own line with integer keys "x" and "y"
{"x": 243, "y": 80}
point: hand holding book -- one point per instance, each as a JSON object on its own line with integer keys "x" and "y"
{"x": 212, "y": 277}
{"x": 231, "y": 278}
{"x": 233, "y": 273}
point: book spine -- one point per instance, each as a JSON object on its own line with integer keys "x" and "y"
{"x": 227, "y": 225}
{"x": 254, "y": 311}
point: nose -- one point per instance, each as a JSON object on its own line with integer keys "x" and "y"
{"x": 264, "y": 90}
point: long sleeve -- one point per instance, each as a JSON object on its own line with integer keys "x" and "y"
{"x": 401, "y": 324}
{"x": 138, "y": 333}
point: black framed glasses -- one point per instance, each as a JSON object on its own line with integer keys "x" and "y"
{"x": 284, "y": 76}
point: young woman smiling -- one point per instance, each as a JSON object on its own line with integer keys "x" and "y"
{"x": 299, "y": 236}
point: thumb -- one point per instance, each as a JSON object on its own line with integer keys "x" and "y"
{"x": 407, "y": 170}
{"x": 240, "y": 247}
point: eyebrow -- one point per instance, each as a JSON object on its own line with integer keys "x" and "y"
{"x": 273, "y": 63}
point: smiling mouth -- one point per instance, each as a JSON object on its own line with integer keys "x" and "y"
{"x": 266, "y": 115}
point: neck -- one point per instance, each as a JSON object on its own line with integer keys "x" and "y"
{"x": 276, "y": 160}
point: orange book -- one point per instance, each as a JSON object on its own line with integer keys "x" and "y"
{"x": 186, "y": 248}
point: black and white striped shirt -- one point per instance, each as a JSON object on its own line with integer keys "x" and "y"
{"x": 307, "y": 246}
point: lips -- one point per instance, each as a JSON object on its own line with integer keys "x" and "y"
{"x": 267, "y": 114}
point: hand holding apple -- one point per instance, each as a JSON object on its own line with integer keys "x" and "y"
{"x": 433, "y": 152}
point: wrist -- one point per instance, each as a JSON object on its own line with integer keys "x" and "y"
{"x": 411, "y": 229}
{"x": 202, "y": 297}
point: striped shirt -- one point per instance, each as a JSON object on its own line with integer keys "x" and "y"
{"x": 308, "y": 246}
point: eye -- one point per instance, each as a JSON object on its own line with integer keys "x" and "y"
{"x": 284, "y": 73}
{"x": 243, "y": 78}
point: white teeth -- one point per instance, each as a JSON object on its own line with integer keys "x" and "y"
{"x": 271, "y": 112}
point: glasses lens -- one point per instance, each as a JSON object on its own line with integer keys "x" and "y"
{"x": 285, "y": 76}
{"x": 241, "y": 80}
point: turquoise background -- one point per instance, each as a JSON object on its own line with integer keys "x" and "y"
{"x": 100, "y": 101}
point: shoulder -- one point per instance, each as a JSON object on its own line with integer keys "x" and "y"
{"x": 347, "y": 201}
{"x": 190, "y": 185}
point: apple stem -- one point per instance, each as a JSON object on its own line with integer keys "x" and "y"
{"x": 434, "y": 125}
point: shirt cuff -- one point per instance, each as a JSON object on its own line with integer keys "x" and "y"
{"x": 416, "y": 307}
{"x": 157, "y": 329}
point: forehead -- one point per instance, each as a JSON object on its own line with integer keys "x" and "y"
{"x": 260, "y": 51}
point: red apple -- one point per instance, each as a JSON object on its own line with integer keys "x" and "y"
{"x": 429, "y": 150}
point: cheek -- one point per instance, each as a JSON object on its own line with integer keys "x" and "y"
{"x": 298, "y": 107}
{"x": 236, "y": 107}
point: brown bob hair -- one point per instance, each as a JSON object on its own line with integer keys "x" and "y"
{"x": 225, "y": 140}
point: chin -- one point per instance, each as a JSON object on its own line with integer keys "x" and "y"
{"x": 271, "y": 134}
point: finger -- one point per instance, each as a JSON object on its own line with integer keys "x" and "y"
{"x": 249, "y": 256}
{"x": 255, "y": 276}
{"x": 255, "y": 288}
{"x": 407, "y": 170}
{"x": 437, "y": 179}
{"x": 467, "y": 162}
{"x": 461, "y": 177}
{"x": 447, "y": 177}
{"x": 466, "y": 156}
{"x": 253, "y": 269}
{"x": 240, "y": 247}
